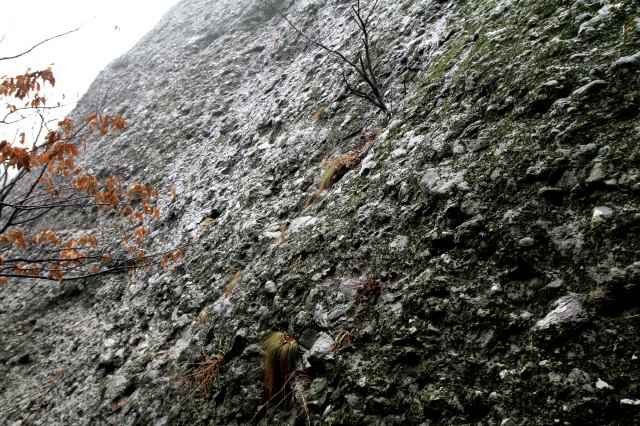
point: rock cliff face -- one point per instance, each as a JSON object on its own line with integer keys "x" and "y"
{"x": 463, "y": 273}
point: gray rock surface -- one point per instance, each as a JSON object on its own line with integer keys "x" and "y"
{"x": 417, "y": 285}
{"x": 566, "y": 309}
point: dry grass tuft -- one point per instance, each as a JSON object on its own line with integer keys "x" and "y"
{"x": 319, "y": 113}
{"x": 204, "y": 315}
{"x": 115, "y": 405}
{"x": 342, "y": 340}
{"x": 283, "y": 241}
{"x": 59, "y": 373}
{"x": 367, "y": 289}
{"x": 234, "y": 280}
{"x": 280, "y": 356}
{"x": 338, "y": 167}
{"x": 297, "y": 385}
{"x": 205, "y": 375}
{"x": 296, "y": 262}
{"x": 335, "y": 169}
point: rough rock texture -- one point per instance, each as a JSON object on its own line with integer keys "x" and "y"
{"x": 497, "y": 216}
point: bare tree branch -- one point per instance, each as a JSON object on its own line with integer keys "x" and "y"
{"x": 9, "y": 221}
{"x": 121, "y": 264}
{"x": 365, "y": 71}
{"x": 39, "y": 180}
{"x": 42, "y": 42}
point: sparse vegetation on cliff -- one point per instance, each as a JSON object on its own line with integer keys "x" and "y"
{"x": 237, "y": 274}
{"x": 338, "y": 167}
{"x": 204, "y": 374}
{"x": 281, "y": 353}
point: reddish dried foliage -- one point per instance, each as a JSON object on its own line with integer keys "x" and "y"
{"x": 54, "y": 158}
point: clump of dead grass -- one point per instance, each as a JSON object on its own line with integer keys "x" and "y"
{"x": 319, "y": 113}
{"x": 296, "y": 262}
{"x": 281, "y": 353}
{"x": 342, "y": 340}
{"x": 237, "y": 274}
{"x": 338, "y": 167}
{"x": 293, "y": 393}
{"x": 204, "y": 374}
{"x": 204, "y": 316}
{"x": 367, "y": 289}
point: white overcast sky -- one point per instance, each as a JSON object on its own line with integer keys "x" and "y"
{"x": 80, "y": 56}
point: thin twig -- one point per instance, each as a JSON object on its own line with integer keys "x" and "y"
{"x": 42, "y": 42}
{"x": 615, "y": 319}
{"x": 365, "y": 71}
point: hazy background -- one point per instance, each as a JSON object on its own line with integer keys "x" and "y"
{"x": 109, "y": 29}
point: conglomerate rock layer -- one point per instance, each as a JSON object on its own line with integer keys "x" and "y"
{"x": 473, "y": 269}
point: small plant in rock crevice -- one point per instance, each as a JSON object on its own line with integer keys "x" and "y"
{"x": 343, "y": 338}
{"x": 338, "y": 167}
{"x": 297, "y": 385}
{"x": 234, "y": 280}
{"x": 368, "y": 287}
{"x": 367, "y": 290}
{"x": 206, "y": 373}
{"x": 296, "y": 262}
{"x": 319, "y": 113}
{"x": 281, "y": 353}
{"x": 366, "y": 85}
{"x": 203, "y": 317}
